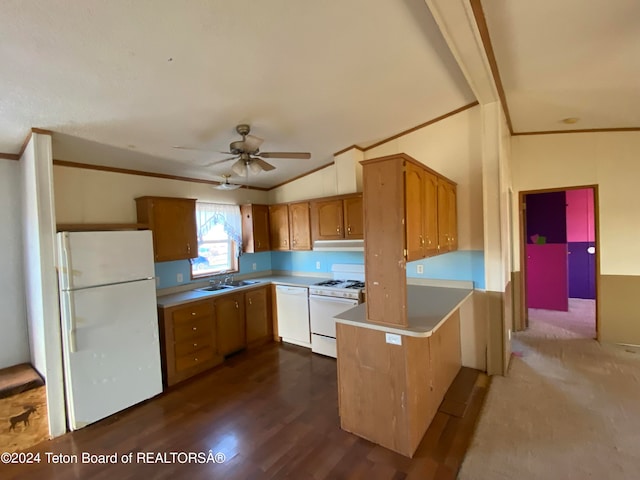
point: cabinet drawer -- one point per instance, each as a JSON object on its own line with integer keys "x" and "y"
{"x": 197, "y": 328}
{"x": 192, "y": 311}
{"x": 186, "y": 347}
{"x": 193, "y": 359}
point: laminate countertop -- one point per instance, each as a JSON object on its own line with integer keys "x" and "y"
{"x": 179, "y": 298}
{"x": 428, "y": 308}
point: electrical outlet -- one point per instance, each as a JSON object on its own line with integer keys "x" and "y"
{"x": 180, "y": 278}
{"x": 317, "y": 265}
{"x": 420, "y": 268}
{"x": 254, "y": 266}
{"x": 157, "y": 281}
{"x": 393, "y": 338}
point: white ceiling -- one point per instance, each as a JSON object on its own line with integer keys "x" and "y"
{"x": 568, "y": 58}
{"x": 145, "y": 75}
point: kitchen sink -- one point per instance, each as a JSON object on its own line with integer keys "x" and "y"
{"x": 242, "y": 283}
{"x": 214, "y": 288}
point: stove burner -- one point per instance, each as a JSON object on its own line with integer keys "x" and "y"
{"x": 356, "y": 285}
{"x": 329, "y": 283}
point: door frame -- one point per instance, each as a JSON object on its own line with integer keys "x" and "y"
{"x": 524, "y": 310}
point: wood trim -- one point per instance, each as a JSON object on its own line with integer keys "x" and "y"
{"x": 28, "y": 137}
{"x": 92, "y": 227}
{"x": 10, "y": 156}
{"x": 422, "y": 125}
{"x": 481, "y": 22}
{"x": 347, "y": 149}
{"x": 126, "y": 171}
{"x": 584, "y": 130}
{"x": 410, "y": 159}
{"x": 300, "y": 176}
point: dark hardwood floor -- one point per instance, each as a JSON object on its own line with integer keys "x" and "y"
{"x": 273, "y": 413}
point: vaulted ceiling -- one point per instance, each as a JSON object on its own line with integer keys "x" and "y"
{"x": 120, "y": 82}
{"x": 144, "y": 76}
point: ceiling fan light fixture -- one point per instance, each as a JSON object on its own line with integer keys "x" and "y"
{"x": 226, "y": 185}
{"x": 255, "y": 167}
{"x": 239, "y": 168}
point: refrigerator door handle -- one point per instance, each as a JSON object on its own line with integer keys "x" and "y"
{"x": 71, "y": 323}
{"x": 66, "y": 270}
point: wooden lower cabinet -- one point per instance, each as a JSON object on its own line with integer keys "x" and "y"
{"x": 230, "y": 323}
{"x": 188, "y": 340}
{"x": 257, "y": 309}
{"x": 197, "y": 336}
{"x": 404, "y": 384}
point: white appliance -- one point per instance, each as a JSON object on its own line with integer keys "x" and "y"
{"x": 330, "y": 298}
{"x": 292, "y": 305}
{"x": 111, "y": 350}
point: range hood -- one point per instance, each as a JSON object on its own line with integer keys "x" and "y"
{"x": 338, "y": 246}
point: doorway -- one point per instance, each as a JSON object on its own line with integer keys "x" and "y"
{"x": 560, "y": 258}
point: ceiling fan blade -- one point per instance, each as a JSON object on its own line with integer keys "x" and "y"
{"x": 252, "y": 143}
{"x": 180, "y": 147}
{"x": 265, "y": 166}
{"x": 302, "y": 155}
{"x": 220, "y": 161}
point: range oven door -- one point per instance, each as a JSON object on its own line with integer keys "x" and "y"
{"x": 323, "y": 325}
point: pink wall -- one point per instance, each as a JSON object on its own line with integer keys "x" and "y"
{"x": 580, "y": 227}
{"x": 547, "y": 276}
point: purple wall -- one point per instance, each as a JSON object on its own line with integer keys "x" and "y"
{"x": 547, "y": 216}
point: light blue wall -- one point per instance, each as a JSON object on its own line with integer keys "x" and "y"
{"x": 168, "y": 272}
{"x": 460, "y": 265}
{"x": 307, "y": 261}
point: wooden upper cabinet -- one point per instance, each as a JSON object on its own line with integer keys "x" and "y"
{"x": 255, "y": 228}
{"x": 430, "y": 214}
{"x": 414, "y": 198}
{"x": 447, "y": 216}
{"x": 327, "y": 222}
{"x": 337, "y": 218}
{"x": 173, "y": 223}
{"x": 299, "y": 226}
{"x": 230, "y": 323}
{"x": 353, "y": 218}
{"x": 279, "y": 226}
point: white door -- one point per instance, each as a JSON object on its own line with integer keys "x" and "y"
{"x": 323, "y": 309}
{"x": 111, "y": 349}
{"x": 88, "y": 259}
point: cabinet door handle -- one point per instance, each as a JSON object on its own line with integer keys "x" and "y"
{"x": 294, "y": 241}
{"x": 421, "y": 239}
{"x": 258, "y": 243}
{"x": 188, "y": 248}
{"x": 284, "y": 242}
{"x": 193, "y": 313}
{"x": 250, "y": 302}
{"x": 338, "y": 229}
{"x": 195, "y": 328}
{"x": 196, "y": 359}
{"x": 349, "y": 229}
{"x": 237, "y": 305}
{"x": 195, "y": 344}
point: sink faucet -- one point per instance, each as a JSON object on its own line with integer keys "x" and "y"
{"x": 228, "y": 279}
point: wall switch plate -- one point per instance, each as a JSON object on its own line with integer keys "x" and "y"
{"x": 420, "y": 268}
{"x": 317, "y": 265}
{"x": 179, "y": 278}
{"x": 157, "y": 281}
{"x": 254, "y": 266}
{"x": 393, "y": 338}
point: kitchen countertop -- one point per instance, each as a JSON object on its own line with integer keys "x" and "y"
{"x": 428, "y": 308}
{"x": 174, "y": 299}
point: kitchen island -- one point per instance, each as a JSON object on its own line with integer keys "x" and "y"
{"x": 392, "y": 379}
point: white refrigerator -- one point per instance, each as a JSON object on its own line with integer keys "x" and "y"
{"x": 111, "y": 349}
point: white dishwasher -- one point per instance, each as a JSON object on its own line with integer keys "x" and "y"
{"x": 292, "y": 304}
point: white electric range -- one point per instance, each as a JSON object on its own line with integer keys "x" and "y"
{"x": 330, "y": 298}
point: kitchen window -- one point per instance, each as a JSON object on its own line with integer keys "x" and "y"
{"x": 219, "y": 239}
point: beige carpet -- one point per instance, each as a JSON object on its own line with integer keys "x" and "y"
{"x": 569, "y": 408}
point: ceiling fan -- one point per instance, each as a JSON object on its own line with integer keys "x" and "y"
{"x": 248, "y": 155}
